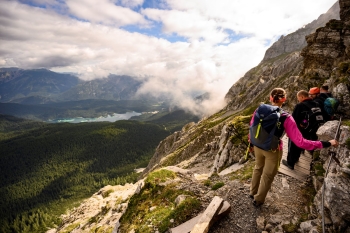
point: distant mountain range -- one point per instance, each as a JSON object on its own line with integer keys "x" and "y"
{"x": 41, "y": 94}
{"x": 41, "y": 86}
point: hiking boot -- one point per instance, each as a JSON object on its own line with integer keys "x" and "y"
{"x": 256, "y": 204}
{"x": 285, "y": 162}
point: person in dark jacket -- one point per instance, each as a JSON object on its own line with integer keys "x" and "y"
{"x": 304, "y": 105}
{"x": 314, "y": 92}
{"x": 319, "y": 95}
{"x": 324, "y": 94}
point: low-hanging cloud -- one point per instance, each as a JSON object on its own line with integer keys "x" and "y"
{"x": 201, "y": 47}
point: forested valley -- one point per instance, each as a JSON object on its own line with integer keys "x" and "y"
{"x": 47, "y": 168}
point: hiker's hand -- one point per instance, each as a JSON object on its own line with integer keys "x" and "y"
{"x": 334, "y": 142}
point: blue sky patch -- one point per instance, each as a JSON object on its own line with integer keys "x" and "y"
{"x": 155, "y": 31}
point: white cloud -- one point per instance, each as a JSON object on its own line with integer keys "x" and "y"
{"x": 264, "y": 19}
{"x": 131, "y": 3}
{"x": 33, "y": 37}
{"x": 104, "y": 11}
{"x": 189, "y": 24}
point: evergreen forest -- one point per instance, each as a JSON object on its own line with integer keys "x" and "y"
{"x": 47, "y": 168}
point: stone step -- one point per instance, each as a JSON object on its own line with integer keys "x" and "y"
{"x": 217, "y": 209}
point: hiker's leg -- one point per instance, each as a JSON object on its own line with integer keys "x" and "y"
{"x": 293, "y": 153}
{"x": 272, "y": 160}
{"x": 258, "y": 168}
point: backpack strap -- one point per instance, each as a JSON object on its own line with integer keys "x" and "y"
{"x": 280, "y": 124}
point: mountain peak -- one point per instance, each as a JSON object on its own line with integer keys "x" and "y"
{"x": 296, "y": 41}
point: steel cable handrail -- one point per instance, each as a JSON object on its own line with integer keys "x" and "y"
{"x": 324, "y": 180}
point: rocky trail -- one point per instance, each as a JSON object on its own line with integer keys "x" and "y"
{"x": 285, "y": 204}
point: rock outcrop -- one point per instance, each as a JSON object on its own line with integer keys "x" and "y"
{"x": 296, "y": 40}
{"x": 336, "y": 190}
{"x": 101, "y": 212}
{"x": 255, "y": 86}
{"x": 328, "y": 47}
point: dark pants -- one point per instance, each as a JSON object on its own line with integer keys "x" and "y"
{"x": 294, "y": 151}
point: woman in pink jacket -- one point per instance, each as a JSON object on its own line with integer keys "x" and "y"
{"x": 267, "y": 162}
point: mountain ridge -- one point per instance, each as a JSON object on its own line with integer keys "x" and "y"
{"x": 296, "y": 41}
{"x": 45, "y": 86}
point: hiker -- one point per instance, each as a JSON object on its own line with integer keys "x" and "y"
{"x": 324, "y": 93}
{"x": 308, "y": 117}
{"x": 330, "y": 104}
{"x": 267, "y": 161}
{"x": 314, "y": 92}
{"x": 325, "y": 99}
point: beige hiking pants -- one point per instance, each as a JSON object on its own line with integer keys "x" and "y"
{"x": 265, "y": 170}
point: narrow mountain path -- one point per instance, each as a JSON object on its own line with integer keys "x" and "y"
{"x": 285, "y": 205}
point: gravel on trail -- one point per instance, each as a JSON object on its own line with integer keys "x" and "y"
{"x": 286, "y": 203}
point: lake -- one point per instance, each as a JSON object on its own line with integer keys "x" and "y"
{"x": 110, "y": 118}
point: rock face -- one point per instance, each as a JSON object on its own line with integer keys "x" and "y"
{"x": 328, "y": 46}
{"x": 100, "y": 212}
{"x": 296, "y": 40}
{"x": 255, "y": 86}
{"x": 336, "y": 183}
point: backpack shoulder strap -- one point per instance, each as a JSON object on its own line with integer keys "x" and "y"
{"x": 280, "y": 125}
{"x": 283, "y": 116}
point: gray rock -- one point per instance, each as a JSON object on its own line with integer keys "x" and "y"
{"x": 179, "y": 199}
{"x": 275, "y": 220}
{"x": 307, "y": 226}
{"x": 316, "y": 183}
{"x": 314, "y": 230}
{"x": 327, "y": 131}
{"x": 285, "y": 183}
{"x": 268, "y": 227}
{"x": 260, "y": 222}
{"x": 345, "y": 170}
{"x": 140, "y": 185}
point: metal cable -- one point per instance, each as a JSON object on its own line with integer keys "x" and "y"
{"x": 324, "y": 180}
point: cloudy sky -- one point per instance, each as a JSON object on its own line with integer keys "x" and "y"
{"x": 179, "y": 47}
